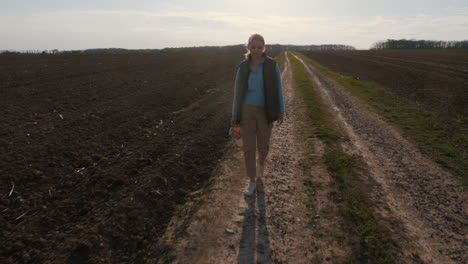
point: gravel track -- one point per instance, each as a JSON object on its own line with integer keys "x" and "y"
{"x": 270, "y": 227}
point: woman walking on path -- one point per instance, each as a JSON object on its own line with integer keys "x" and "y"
{"x": 258, "y": 102}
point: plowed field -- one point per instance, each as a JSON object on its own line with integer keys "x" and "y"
{"x": 97, "y": 150}
{"x": 435, "y": 79}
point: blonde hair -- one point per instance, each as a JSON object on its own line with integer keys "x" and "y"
{"x": 253, "y": 37}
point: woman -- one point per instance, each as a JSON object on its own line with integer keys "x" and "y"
{"x": 258, "y": 102}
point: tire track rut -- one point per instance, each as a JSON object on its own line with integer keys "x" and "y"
{"x": 427, "y": 204}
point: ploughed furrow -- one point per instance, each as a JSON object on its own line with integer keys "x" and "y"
{"x": 445, "y": 67}
{"x": 93, "y": 173}
{"x": 408, "y": 65}
{"x": 436, "y": 89}
{"x": 428, "y": 203}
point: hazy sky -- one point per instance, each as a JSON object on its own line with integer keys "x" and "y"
{"x": 82, "y": 24}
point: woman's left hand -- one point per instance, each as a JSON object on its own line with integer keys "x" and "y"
{"x": 280, "y": 119}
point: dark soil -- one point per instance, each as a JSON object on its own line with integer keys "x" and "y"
{"x": 97, "y": 150}
{"x": 434, "y": 79}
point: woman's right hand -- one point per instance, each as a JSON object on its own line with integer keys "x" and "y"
{"x": 237, "y": 132}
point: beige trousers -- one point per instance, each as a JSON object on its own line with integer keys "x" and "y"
{"x": 256, "y": 133}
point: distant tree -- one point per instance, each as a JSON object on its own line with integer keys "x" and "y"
{"x": 419, "y": 44}
{"x": 9, "y": 52}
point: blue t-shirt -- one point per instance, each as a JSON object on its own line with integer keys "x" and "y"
{"x": 255, "y": 94}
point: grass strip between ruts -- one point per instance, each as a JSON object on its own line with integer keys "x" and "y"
{"x": 280, "y": 60}
{"x": 369, "y": 242}
{"x": 447, "y": 143}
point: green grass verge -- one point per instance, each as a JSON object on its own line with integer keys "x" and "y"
{"x": 446, "y": 143}
{"x": 280, "y": 60}
{"x": 369, "y": 242}
{"x": 315, "y": 108}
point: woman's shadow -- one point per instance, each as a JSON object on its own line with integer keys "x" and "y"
{"x": 255, "y": 243}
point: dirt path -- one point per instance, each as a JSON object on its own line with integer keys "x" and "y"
{"x": 427, "y": 205}
{"x": 271, "y": 227}
{"x": 419, "y": 202}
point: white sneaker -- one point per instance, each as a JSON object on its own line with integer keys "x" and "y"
{"x": 260, "y": 169}
{"x": 250, "y": 189}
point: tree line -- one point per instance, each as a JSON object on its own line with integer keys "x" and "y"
{"x": 419, "y": 44}
{"x": 271, "y": 47}
{"x": 239, "y": 47}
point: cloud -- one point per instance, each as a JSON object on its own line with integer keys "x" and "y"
{"x": 145, "y": 29}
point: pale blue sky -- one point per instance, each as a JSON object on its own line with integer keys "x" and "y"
{"x": 82, "y": 24}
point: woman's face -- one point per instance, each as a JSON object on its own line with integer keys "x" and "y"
{"x": 256, "y": 48}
